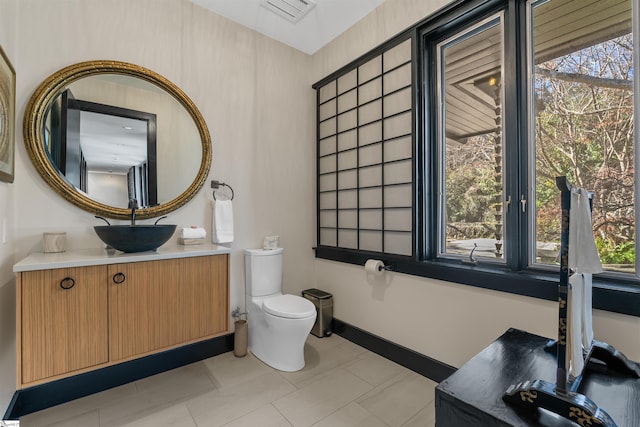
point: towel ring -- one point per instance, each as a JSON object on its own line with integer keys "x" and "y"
{"x": 217, "y": 184}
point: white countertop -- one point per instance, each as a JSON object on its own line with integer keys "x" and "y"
{"x": 100, "y": 256}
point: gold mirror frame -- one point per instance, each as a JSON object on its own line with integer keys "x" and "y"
{"x": 33, "y": 124}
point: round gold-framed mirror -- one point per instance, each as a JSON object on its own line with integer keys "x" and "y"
{"x": 101, "y": 133}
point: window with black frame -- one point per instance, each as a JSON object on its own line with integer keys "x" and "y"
{"x": 509, "y": 94}
{"x": 580, "y": 113}
{"x": 470, "y": 142}
{"x": 582, "y": 123}
{"x": 365, "y": 149}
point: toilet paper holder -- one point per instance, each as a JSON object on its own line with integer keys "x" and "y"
{"x": 381, "y": 266}
{"x": 387, "y": 267}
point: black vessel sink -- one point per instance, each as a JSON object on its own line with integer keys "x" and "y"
{"x": 135, "y": 238}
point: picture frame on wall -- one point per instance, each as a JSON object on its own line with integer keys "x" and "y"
{"x": 7, "y": 118}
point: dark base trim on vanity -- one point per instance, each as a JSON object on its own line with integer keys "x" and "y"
{"x": 419, "y": 363}
{"x": 54, "y": 393}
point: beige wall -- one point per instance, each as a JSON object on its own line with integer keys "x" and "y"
{"x": 254, "y": 93}
{"x": 8, "y": 30}
{"x": 446, "y": 321}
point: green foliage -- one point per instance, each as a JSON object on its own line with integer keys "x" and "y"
{"x": 470, "y": 193}
{"x": 612, "y": 253}
{"x": 584, "y": 130}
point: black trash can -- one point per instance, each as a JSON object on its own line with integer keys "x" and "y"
{"x": 324, "y": 309}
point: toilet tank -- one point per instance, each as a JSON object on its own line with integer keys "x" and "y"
{"x": 263, "y": 271}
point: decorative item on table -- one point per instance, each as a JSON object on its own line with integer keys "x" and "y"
{"x": 271, "y": 242}
{"x": 192, "y": 235}
{"x": 54, "y": 242}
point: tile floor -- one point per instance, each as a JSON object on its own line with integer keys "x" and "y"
{"x": 342, "y": 384}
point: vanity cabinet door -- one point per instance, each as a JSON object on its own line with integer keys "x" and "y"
{"x": 63, "y": 316}
{"x": 161, "y": 304}
{"x": 203, "y": 300}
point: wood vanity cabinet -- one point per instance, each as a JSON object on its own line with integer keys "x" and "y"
{"x": 64, "y": 321}
{"x": 72, "y": 320}
{"x": 156, "y": 304}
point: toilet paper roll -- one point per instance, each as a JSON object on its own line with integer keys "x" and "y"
{"x": 374, "y": 266}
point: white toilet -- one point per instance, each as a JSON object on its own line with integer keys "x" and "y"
{"x": 278, "y": 324}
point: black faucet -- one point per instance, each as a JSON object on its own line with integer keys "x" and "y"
{"x": 133, "y": 205}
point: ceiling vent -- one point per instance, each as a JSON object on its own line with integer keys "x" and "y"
{"x": 291, "y": 10}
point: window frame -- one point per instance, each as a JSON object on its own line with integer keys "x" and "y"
{"x": 612, "y": 292}
{"x": 467, "y": 31}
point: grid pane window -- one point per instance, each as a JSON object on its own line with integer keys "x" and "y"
{"x": 365, "y": 137}
{"x": 451, "y": 141}
{"x": 471, "y": 208}
{"x": 582, "y": 125}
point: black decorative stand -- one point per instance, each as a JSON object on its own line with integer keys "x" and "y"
{"x": 562, "y": 397}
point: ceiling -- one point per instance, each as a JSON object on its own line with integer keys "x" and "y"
{"x": 127, "y": 142}
{"x": 324, "y": 22}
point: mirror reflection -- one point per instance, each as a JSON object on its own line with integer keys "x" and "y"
{"x": 108, "y": 152}
{"x": 117, "y": 137}
{"x": 101, "y": 133}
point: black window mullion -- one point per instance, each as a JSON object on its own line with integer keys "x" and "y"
{"x": 515, "y": 141}
{"x": 358, "y": 157}
{"x": 429, "y": 145}
{"x": 382, "y": 167}
{"x": 417, "y": 224}
{"x": 337, "y": 173}
{"x": 318, "y": 207}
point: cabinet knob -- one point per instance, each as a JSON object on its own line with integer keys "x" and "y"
{"x": 119, "y": 278}
{"x": 67, "y": 283}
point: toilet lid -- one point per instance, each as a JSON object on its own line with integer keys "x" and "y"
{"x": 289, "y": 306}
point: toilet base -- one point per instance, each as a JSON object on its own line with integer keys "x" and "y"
{"x": 293, "y": 366}
{"x": 279, "y": 342}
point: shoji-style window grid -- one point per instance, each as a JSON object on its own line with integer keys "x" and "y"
{"x": 345, "y": 133}
{"x": 365, "y": 155}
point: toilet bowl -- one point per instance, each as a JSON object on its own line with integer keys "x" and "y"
{"x": 278, "y": 323}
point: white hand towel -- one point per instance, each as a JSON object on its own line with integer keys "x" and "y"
{"x": 583, "y": 254}
{"x": 222, "y": 227}
{"x": 193, "y": 233}
{"x": 575, "y": 311}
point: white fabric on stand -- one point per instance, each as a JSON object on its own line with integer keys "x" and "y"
{"x": 575, "y": 310}
{"x": 585, "y": 261}
{"x": 222, "y": 227}
{"x": 587, "y": 319}
{"x": 583, "y": 254}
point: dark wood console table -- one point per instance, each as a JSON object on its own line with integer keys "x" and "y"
{"x": 472, "y": 396}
